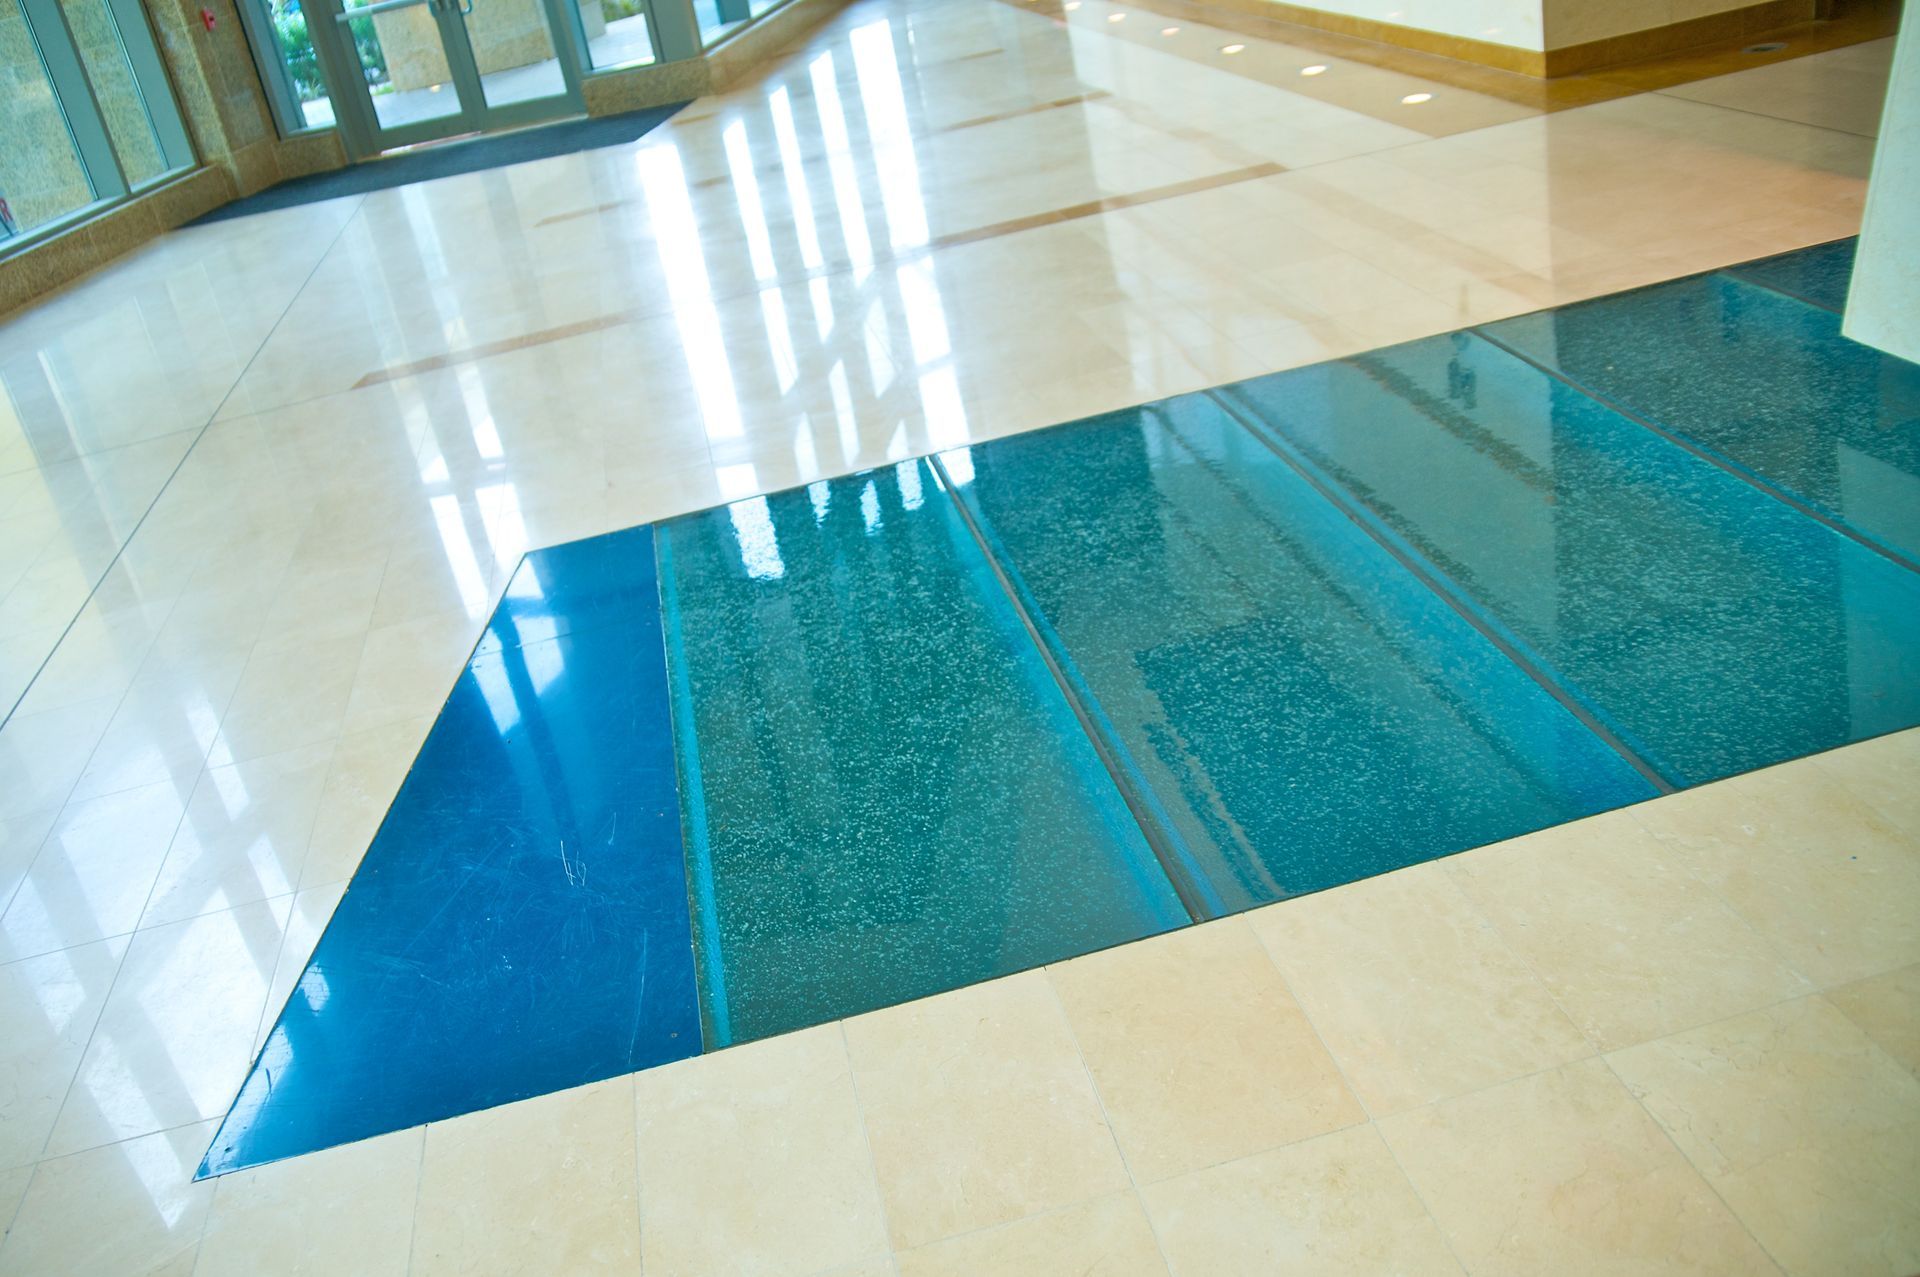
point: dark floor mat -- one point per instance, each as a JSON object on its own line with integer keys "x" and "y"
{"x": 448, "y": 161}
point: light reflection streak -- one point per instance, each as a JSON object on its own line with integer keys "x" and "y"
{"x": 690, "y": 289}
{"x": 846, "y": 186}
{"x": 794, "y": 170}
{"x": 885, "y": 106}
{"x": 759, "y": 547}
{"x": 746, "y": 190}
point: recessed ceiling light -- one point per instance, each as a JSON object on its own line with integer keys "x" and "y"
{"x": 1169, "y": 30}
{"x": 1116, "y": 17}
{"x": 1313, "y": 70}
{"x": 1232, "y": 48}
{"x": 1415, "y": 99}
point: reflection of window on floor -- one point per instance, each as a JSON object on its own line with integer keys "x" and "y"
{"x": 86, "y": 111}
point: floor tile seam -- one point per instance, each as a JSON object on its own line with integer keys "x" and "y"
{"x": 300, "y": 883}
{"x": 1600, "y": 1048}
{"x": 1093, "y": 1083}
{"x": 1879, "y": 1049}
{"x": 41, "y": 467}
{"x": 1700, "y": 1172}
{"x": 1369, "y": 1121}
{"x": 852, "y": 150}
{"x": 132, "y": 936}
{"x": 1672, "y": 854}
{"x": 67, "y": 800}
{"x": 1131, "y": 1190}
{"x": 419, "y": 1190}
{"x": 13, "y": 1216}
{"x": 1492, "y": 924}
{"x": 1562, "y": 689}
{"x": 106, "y": 1000}
{"x": 200, "y": 434}
{"x": 890, "y": 258}
{"x": 1831, "y": 770}
{"x": 866, "y": 1143}
{"x": 1702, "y": 452}
{"x": 1763, "y": 115}
{"x": 1240, "y": 71}
{"x": 639, "y": 1187}
{"x": 830, "y": 270}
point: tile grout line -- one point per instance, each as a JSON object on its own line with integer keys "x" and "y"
{"x": 866, "y": 1142}
{"x": 1671, "y": 96}
{"x": 1698, "y": 1170}
{"x": 419, "y": 1188}
{"x": 1372, "y": 1122}
{"x": 1106, "y": 1116}
{"x": 120, "y": 968}
{"x": 174, "y": 473}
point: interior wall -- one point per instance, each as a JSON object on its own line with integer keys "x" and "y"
{"x": 1515, "y": 23}
{"x": 1883, "y": 305}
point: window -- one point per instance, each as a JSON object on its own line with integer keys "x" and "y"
{"x": 86, "y": 114}
{"x": 289, "y": 64}
{"x": 617, "y": 34}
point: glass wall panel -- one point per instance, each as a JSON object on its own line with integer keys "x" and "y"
{"x": 513, "y": 50}
{"x": 41, "y": 179}
{"x": 720, "y": 18}
{"x": 617, "y": 33}
{"x": 405, "y": 63}
{"x": 291, "y": 67}
{"x": 114, "y": 88}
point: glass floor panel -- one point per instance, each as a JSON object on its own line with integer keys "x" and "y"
{"x": 1303, "y": 710}
{"x": 1758, "y": 378}
{"x": 887, "y": 795}
{"x": 814, "y": 753}
{"x": 1711, "y": 627}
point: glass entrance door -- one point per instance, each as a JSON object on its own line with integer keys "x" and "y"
{"x": 416, "y": 70}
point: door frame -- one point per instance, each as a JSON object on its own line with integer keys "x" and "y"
{"x": 361, "y": 132}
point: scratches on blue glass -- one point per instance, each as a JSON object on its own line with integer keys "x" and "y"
{"x": 520, "y": 923}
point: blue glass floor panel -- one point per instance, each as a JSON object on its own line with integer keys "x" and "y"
{"x": 1820, "y": 274}
{"x": 1303, "y": 711}
{"x": 520, "y": 923}
{"x": 889, "y": 796}
{"x": 814, "y": 753}
{"x": 1758, "y": 378}
{"x": 1710, "y": 627}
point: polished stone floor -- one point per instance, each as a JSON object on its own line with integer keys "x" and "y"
{"x": 262, "y": 483}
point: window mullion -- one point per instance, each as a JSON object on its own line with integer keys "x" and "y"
{"x": 150, "y": 75}
{"x": 74, "y": 91}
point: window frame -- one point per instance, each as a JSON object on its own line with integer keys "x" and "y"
{"x": 73, "y": 93}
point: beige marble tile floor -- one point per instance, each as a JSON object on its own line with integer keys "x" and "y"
{"x": 260, "y": 483}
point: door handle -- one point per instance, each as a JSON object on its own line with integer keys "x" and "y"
{"x": 383, "y": 6}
